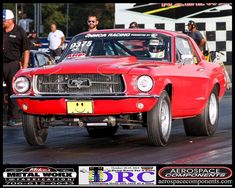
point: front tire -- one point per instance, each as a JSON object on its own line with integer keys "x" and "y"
{"x": 159, "y": 121}
{"x": 206, "y": 123}
{"x": 101, "y": 131}
{"x": 34, "y": 130}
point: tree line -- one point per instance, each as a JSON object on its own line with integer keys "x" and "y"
{"x": 77, "y": 15}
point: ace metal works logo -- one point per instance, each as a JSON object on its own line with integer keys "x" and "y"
{"x": 117, "y": 175}
{"x": 39, "y": 175}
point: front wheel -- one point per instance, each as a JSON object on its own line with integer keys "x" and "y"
{"x": 34, "y": 129}
{"x": 206, "y": 123}
{"x": 159, "y": 121}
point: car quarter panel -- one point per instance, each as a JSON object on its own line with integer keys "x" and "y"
{"x": 194, "y": 85}
{"x": 190, "y": 87}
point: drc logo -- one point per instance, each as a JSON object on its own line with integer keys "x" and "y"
{"x": 96, "y": 174}
{"x": 117, "y": 175}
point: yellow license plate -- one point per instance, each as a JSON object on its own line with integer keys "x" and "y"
{"x": 79, "y": 107}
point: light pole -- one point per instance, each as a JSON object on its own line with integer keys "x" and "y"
{"x": 16, "y": 8}
{"x": 22, "y": 8}
{"x": 67, "y": 20}
{"x": 35, "y": 18}
{"x": 38, "y": 20}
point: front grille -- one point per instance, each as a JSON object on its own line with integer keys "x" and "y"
{"x": 79, "y": 84}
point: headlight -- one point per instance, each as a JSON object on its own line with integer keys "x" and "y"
{"x": 21, "y": 84}
{"x": 145, "y": 83}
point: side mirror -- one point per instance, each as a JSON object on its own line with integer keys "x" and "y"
{"x": 57, "y": 59}
{"x": 205, "y": 52}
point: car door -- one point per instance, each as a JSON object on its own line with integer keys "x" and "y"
{"x": 193, "y": 76}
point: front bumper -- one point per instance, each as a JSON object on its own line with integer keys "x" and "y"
{"x": 102, "y": 105}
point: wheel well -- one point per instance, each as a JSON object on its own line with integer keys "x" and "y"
{"x": 217, "y": 87}
{"x": 168, "y": 89}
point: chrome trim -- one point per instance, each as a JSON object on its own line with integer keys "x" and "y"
{"x": 114, "y": 97}
{"x": 97, "y": 124}
{"x": 76, "y": 83}
{"x": 35, "y": 78}
{"x": 92, "y": 82}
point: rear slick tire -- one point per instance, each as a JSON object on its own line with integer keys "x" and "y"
{"x": 206, "y": 123}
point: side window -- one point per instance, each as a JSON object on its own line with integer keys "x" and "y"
{"x": 32, "y": 60}
{"x": 185, "y": 52}
{"x": 42, "y": 59}
{"x": 196, "y": 58}
{"x": 109, "y": 49}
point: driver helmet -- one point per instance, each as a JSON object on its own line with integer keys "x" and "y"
{"x": 156, "y": 48}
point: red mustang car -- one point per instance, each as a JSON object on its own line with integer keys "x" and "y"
{"x": 109, "y": 78}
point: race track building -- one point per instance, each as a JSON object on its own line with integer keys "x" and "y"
{"x": 214, "y": 20}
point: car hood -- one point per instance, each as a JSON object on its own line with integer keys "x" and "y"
{"x": 115, "y": 65}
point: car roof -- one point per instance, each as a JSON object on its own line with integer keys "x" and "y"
{"x": 167, "y": 32}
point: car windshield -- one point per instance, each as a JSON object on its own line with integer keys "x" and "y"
{"x": 143, "y": 45}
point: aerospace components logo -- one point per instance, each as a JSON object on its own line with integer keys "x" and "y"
{"x": 117, "y": 175}
{"x": 39, "y": 175}
{"x": 195, "y": 172}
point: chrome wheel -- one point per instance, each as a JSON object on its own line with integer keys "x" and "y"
{"x": 213, "y": 109}
{"x": 164, "y": 118}
{"x": 159, "y": 121}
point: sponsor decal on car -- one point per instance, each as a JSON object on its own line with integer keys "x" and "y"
{"x": 74, "y": 56}
{"x": 117, "y": 34}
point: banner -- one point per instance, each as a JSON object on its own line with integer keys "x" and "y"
{"x": 117, "y": 175}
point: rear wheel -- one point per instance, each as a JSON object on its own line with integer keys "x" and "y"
{"x": 34, "y": 129}
{"x": 206, "y": 123}
{"x": 101, "y": 131}
{"x": 159, "y": 121}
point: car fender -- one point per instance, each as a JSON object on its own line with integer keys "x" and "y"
{"x": 221, "y": 89}
{"x": 160, "y": 84}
